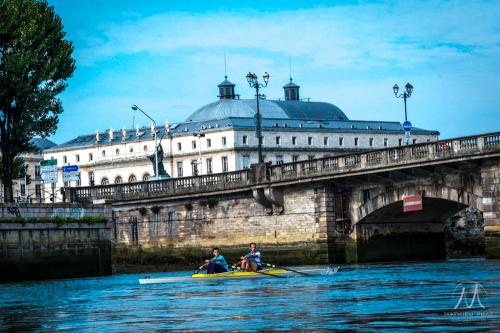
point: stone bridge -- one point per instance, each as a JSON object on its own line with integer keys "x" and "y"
{"x": 337, "y": 209}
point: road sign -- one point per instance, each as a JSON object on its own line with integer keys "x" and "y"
{"x": 412, "y": 203}
{"x": 407, "y": 126}
{"x": 71, "y": 176}
{"x": 48, "y": 162}
{"x": 70, "y": 168}
{"x": 48, "y": 170}
{"x": 70, "y": 173}
{"x": 49, "y": 177}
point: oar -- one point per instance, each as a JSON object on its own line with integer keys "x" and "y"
{"x": 287, "y": 269}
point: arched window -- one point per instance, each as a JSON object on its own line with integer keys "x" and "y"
{"x": 145, "y": 148}
{"x": 132, "y": 178}
{"x": 118, "y": 180}
{"x": 105, "y": 181}
{"x": 103, "y": 153}
{"x": 145, "y": 177}
{"x": 117, "y": 151}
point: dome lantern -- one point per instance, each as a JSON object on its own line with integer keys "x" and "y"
{"x": 291, "y": 91}
{"x": 226, "y": 89}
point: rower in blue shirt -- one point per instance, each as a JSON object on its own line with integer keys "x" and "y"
{"x": 217, "y": 264}
{"x": 251, "y": 261}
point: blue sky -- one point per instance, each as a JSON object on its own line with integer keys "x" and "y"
{"x": 168, "y": 57}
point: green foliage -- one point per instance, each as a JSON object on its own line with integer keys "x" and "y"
{"x": 155, "y": 209}
{"x": 56, "y": 219}
{"x": 35, "y": 62}
{"x": 142, "y": 211}
{"x": 19, "y": 168}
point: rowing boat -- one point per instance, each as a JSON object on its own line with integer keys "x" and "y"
{"x": 272, "y": 272}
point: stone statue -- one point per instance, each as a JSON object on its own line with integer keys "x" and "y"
{"x": 161, "y": 169}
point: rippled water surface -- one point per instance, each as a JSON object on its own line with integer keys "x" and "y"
{"x": 377, "y": 297}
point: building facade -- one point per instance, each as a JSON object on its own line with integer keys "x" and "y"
{"x": 31, "y": 189}
{"x": 220, "y": 137}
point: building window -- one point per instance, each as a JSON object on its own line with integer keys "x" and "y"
{"x": 279, "y": 159}
{"x": 65, "y": 159}
{"x": 145, "y": 177}
{"x": 224, "y": 164}
{"x": 310, "y": 157}
{"x": 179, "y": 146}
{"x": 132, "y": 178}
{"x": 78, "y": 182}
{"x": 325, "y": 141}
{"x": 103, "y": 153}
{"x": 23, "y": 190}
{"x": 91, "y": 157}
{"x": 118, "y": 180}
{"x": 91, "y": 178}
{"x": 224, "y": 141}
{"x": 309, "y": 140}
{"x": 105, "y": 181}
{"x": 145, "y": 148}
{"x": 193, "y": 144}
{"x": 385, "y": 142}
{"x": 370, "y": 141}
{"x": 194, "y": 167}
{"x": 294, "y": 140}
{"x": 245, "y": 139}
{"x": 37, "y": 172}
{"x": 117, "y": 151}
{"x": 400, "y": 141}
{"x": 77, "y": 158}
{"x": 278, "y": 140}
{"x": 180, "y": 171}
{"x": 246, "y": 161}
{"x": 295, "y": 158}
{"x": 209, "y": 166}
{"x": 38, "y": 190}
{"x": 209, "y": 143}
{"x": 341, "y": 141}
{"x": 414, "y": 141}
{"x": 356, "y": 141}
{"x": 131, "y": 149}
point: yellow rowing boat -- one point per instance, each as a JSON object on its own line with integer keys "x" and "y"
{"x": 241, "y": 274}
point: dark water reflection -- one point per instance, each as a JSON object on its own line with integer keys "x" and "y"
{"x": 380, "y": 297}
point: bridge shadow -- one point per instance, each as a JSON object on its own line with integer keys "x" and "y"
{"x": 389, "y": 234}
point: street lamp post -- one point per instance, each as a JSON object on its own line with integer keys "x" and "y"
{"x": 254, "y": 83}
{"x": 406, "y": 94}
{"x": 135, "y": 108}
{"x": 199, "y": 136}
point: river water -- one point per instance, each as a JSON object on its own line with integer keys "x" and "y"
{"x": 394, "y": 297}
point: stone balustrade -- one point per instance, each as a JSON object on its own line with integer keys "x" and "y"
{"x": 389, "y": 158}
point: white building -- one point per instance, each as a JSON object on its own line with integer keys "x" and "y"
{"x": 33, "y": 192}
{"x": 292, "y": 130}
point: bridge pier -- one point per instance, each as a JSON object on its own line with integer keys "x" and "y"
{"x": 490, "y": 180}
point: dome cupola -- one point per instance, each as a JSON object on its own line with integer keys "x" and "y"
{"x": 291, "y": 91}
{"x": 226, "y": 89}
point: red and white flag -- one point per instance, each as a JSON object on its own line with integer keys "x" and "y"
{"x": 412, "y": 203}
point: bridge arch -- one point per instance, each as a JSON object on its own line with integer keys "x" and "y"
{"x": 464, "y": 196}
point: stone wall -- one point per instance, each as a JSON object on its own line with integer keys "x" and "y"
{"x": 231, "y": 222}
{"x": 42, "y": 250}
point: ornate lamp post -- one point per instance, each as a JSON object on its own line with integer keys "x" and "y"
{"x": 254, "y": 83}
{"x": 135, "y": 108}
{"x": 199, "y": 136}
{"x": 406, "y": 94}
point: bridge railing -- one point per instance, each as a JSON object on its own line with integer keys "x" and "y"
{"x": 164, "y": 187}
{"x": 395, "y": 156}
{"x": 357, "y": 162}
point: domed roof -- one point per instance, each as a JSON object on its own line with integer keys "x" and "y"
{"x": 246, "y": 108}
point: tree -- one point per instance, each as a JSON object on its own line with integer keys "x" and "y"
{"x": 35, "y": 63}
